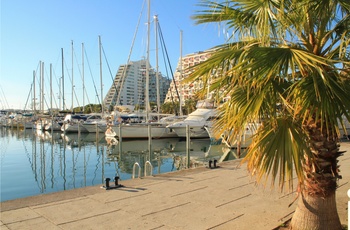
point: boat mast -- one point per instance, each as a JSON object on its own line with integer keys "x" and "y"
{"x": 51, "y": 88}
{"x": 59, "y": 93}
{"x": 180, "y": 101}
{"x": 41, "y": 87}
{"x": 157, "y": 67}
{"x": 100, "y": 48}
{"x": 147, "y": 62}
{"x": 72, "y": 79}
{"x": 63, "y": 104}
{"x": 82, "y": 56}
{"x": 30, "y": 95}
{"x": 34, "y": 96}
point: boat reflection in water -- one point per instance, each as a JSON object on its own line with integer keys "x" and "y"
{"x": 36, "y": 162}
{"x": 201, "y": 151}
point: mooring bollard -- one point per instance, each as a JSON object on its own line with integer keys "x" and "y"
{"x": 116, "y": 178}
{"x": 107, "y": 182}
{"x": 115, "y": 186}
{"x": 211, "y": 162}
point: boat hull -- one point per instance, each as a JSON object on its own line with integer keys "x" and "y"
{"x": 141, "y": 131}
{"x": 93, "y": 128}
{"x": 195, "y": 132}
{"x": 73, "y": 128}
{"x": 54, "y": 126}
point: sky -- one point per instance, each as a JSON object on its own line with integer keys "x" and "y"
{"x": 37, "y": 31}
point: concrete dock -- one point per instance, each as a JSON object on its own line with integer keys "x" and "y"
{"x": 201, "y": 198}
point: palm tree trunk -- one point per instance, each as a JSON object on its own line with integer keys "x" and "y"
{"x": 317, "y": 204}
{"x": 315, "y": 212}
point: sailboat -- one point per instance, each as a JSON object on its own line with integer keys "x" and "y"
{"x": 53, "y": 125}
{"x": 145, "y": 129}
{"x": 74, "y": 124}
{"x": 95, "y": 123}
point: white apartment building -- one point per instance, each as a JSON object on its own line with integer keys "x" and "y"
{"x": 186, "y": 91}
{"x": 128, "y": 87}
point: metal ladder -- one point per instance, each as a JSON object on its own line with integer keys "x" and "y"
{"x": 139, "y": 169}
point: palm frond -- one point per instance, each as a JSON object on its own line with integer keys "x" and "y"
{"x": 251, "y": 18}
{"x": 278, "y": 151}
{"x": 289, "y": 70}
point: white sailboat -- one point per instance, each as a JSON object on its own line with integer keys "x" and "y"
{"x": 95, "y": 123}
{"x": 73, "y": 124}
{"x": 53, "y": 125}
{"x": 146, "y": 129}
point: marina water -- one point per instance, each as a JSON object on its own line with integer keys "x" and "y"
{"x": 35, "y": 162}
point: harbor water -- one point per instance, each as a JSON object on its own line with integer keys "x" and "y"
{"x": 35, "y": 162}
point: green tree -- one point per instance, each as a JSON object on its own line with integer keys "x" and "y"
{"x": 170, "y": 107}
{"x": 189, "y": 107}
{"x": 285, "y": 65}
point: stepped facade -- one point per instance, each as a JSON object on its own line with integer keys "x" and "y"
{"x": 129, "y": 85}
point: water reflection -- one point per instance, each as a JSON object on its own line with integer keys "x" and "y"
{"x": 36, "y": 162}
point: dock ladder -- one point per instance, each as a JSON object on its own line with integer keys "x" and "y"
{"x": 134, "y": 169}
{"x": 150, "y": 166}
{"x": 137, "y": 165}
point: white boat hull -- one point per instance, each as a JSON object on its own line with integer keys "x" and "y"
{"x": 95, "y": 123}
{"x": 195, "y": 132}
{"x": 53, "y": 126}
{"x": 103, "y": 128}
{"x": 92, "y": 128}
{"x": 139, "y": 131}
{"x": 73, "y": 128}
{"x": 197, "y": 122}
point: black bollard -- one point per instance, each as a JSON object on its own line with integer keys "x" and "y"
{"x": 210, "y": 163}
{"x": 116, "y": 178}
{"x": 215, "y": 163}
{"x": 107, "y": 182}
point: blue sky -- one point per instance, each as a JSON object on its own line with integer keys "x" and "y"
{"x": 34, "y": 31}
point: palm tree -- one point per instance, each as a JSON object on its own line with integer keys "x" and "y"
{"x": 284, "y": 65}
{"x": 170, "y": 107}
{"x": 189, "y": 106}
